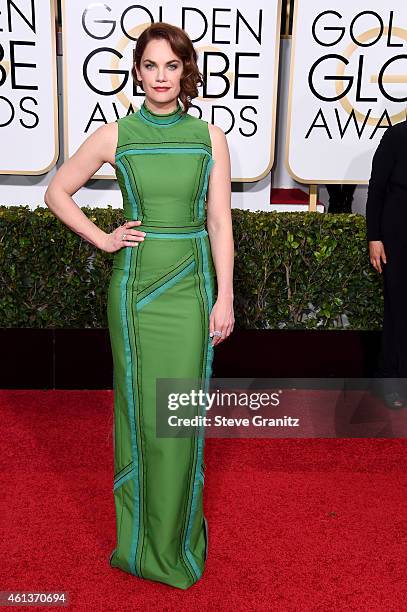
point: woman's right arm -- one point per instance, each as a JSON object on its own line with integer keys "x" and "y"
{"x": 96, "y": 150}
{"x": 382, "y": 166}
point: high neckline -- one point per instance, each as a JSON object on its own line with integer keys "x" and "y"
{"x": 161, "y": 118}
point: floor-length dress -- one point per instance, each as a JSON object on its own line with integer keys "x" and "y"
{"x": 160, "y": 297}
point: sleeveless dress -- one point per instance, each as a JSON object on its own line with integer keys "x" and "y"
{"x": 160, "y": 296}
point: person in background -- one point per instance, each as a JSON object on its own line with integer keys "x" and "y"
{"x": 340, "y": 198}
{"x": 386, "y": 222}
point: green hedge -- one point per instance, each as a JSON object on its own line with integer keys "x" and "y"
{"x": 292, "y": 271}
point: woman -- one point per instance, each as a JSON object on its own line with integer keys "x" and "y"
{"x": 386, "y": 218}
{"x": 161, "y": 309}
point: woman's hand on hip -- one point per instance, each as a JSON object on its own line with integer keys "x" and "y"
{"x": 221, "y": 319}
{"x": 114, "y": 241}
{"x": 377, "y": 254}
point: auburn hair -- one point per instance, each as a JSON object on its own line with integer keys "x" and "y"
{"x": 182, "y": 46}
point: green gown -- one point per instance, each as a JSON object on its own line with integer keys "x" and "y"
{"x": 160, "y": 296}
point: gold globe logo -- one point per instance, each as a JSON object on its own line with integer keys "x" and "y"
{"x": 393, "y": 78}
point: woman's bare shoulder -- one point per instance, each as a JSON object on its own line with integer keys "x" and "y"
{"x": 106, "y": 136}
{"x": 215, "y": 131}
{"x": 218, "y": 139}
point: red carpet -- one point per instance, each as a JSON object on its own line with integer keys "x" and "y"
{"x": 301, "y": 525}
{"x": 279, "y": 195}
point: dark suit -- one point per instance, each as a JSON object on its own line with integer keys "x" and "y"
{"x": 386, "y": 220}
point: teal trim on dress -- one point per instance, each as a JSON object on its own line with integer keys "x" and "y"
{"x": 161, "y": 119}
{"x": 130, "y": 404}
{"x": 210, "y": 298}
{"x": 200, "y": 435}
{"x": 122, "y": 479}
{"x": 161, "y": 125}
{"x": 202, "y": 196}
{"x": 198, "y": 234}
{"x": 160, "y": 150}
{"x": 129, "y": 189}
{"x": 169, "y": 283}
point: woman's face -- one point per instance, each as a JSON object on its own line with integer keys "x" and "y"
{"x": 160, "y": 68}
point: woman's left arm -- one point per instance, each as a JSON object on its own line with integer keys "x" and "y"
{"x": 219, "y": 224}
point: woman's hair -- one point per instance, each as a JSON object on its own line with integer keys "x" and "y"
{"x": 182, "y": 46}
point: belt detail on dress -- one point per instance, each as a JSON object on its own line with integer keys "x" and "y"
{"x": 176, "y": 231}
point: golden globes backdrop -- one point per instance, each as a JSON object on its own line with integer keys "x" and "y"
{"x": 28, "y": 87}
{"x": 348, "y": 82}
{"x": 238, "y": 50}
